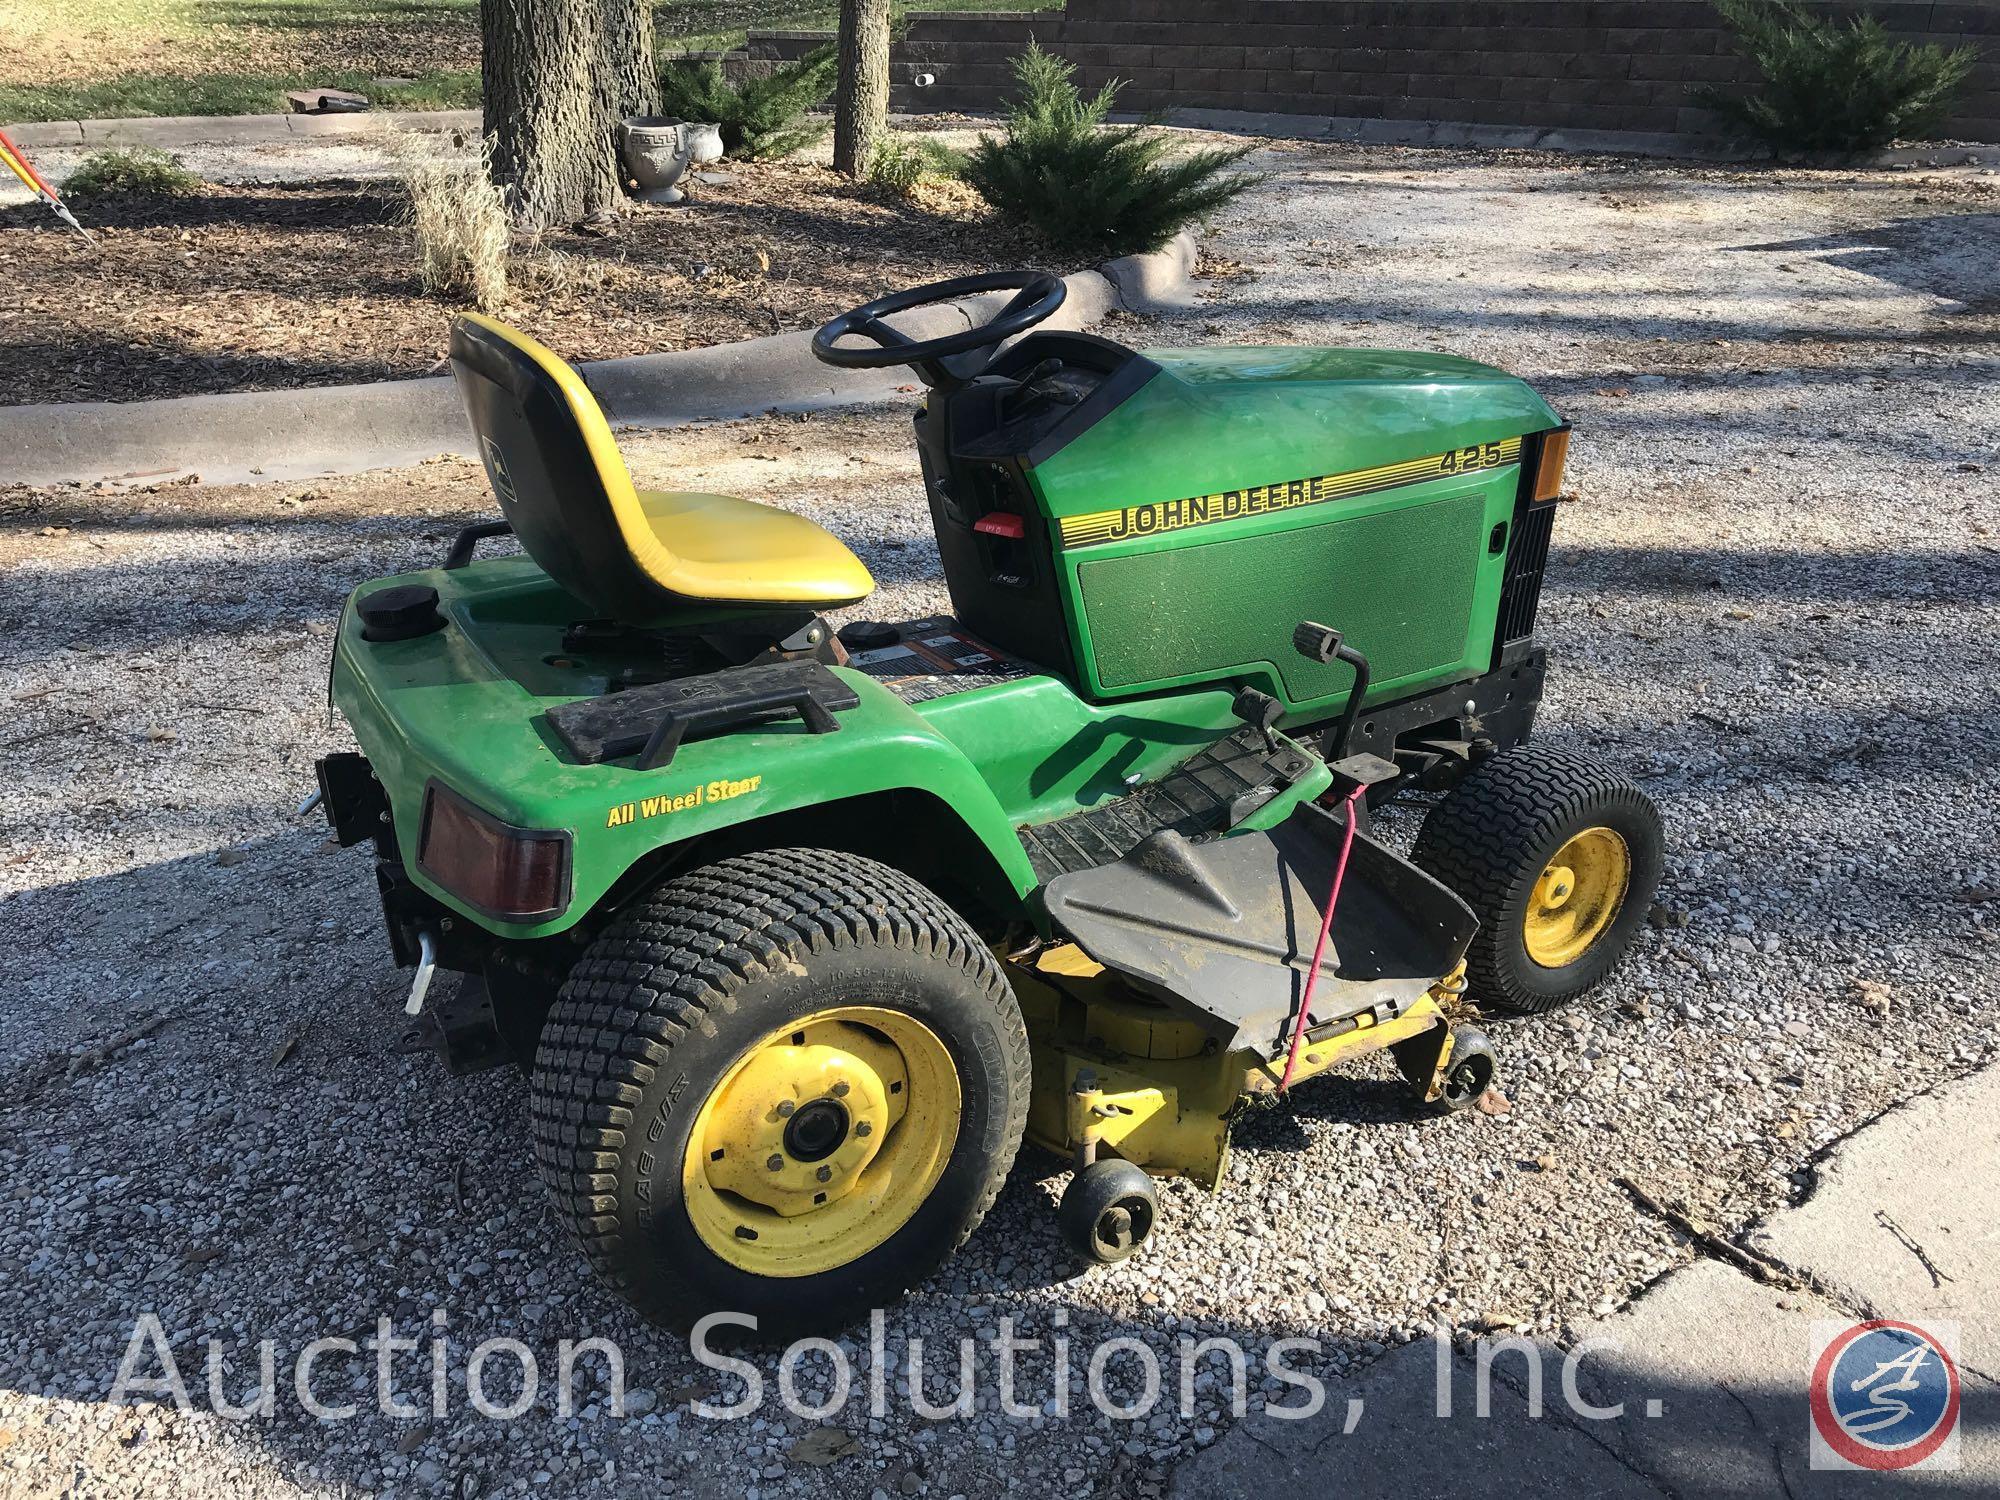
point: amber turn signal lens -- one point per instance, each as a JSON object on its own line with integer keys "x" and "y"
{"x": 514, "y": 874}
{"x": 1551, "y": 453}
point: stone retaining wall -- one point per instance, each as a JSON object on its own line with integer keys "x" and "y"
{"x": 1623, "y": 65}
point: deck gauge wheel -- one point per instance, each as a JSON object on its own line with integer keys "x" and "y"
{"x": 1468, "y": 1072}
{"x": 1108, "y": 1211}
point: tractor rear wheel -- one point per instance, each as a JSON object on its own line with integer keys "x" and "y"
{"x": 786, "y": 1085}
{"x": 1558, "y": 858}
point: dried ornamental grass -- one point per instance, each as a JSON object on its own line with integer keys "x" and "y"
{"x": 459, "y": 221}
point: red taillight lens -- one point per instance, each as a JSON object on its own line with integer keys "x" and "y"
{"x": 516, "y": 874}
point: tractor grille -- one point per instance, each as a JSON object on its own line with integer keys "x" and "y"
{"x": 1527, "y": 559}
{"x": 1399, "y": 583}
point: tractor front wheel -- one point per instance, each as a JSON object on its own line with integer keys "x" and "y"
{"x": 1558, "y": 858}
{"x": 786, "y": 1085}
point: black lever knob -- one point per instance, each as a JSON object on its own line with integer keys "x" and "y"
{"x": 1316, "y": 642}
{"x": 1260, "y": 711}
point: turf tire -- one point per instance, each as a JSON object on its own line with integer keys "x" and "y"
{"x": 1490, "y": 839}
{"x": 678, "y": 987}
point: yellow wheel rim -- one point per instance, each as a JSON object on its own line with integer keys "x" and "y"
{"x": 821, "y": 1141}
{"x": 1577, "y": 897}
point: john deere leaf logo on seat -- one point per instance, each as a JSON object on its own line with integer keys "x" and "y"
{"x": 496, "y": 470}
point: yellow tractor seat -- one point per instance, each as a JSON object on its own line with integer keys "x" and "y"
{"x": 629, "y": 555}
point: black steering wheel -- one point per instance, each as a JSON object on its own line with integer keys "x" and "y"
{"x": 1037, "y": 294}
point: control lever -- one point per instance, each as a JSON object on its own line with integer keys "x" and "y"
{"x": 1260, "y": 711}
{"x": 1322, "y": 643}
{"x": 1037, "y": 382}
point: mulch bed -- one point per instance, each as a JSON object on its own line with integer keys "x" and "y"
{"x": 261, "y": 286}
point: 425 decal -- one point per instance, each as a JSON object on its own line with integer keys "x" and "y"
{"x": 1479, "y": 456}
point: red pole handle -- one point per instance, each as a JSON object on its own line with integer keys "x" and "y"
{"x": 25, "y": 168}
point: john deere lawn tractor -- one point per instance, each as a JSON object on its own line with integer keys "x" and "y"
{"x": 800, "y": 931}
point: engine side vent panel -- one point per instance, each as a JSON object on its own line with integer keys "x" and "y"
{"x": 1399, "y": 582}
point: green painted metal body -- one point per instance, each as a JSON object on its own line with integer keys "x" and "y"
{"x": 465, "y": 706}
{"x": 1405, "y": 571}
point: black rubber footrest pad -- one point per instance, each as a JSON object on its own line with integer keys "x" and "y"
{"x": 1192, "y": 799}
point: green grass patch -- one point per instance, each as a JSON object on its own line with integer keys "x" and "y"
{"x": 107, "y": 59}
{"x": 142, "y": 172}
{"x": 224, "y": 94}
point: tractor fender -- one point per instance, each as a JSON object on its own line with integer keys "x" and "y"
{"x": 779, "y": 784}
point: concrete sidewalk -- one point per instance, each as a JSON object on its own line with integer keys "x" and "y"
{"x": 1709, "y": 1369}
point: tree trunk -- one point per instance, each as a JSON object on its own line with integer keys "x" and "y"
{"x": 556, "y": 77}
{"x": 861, "y": 103}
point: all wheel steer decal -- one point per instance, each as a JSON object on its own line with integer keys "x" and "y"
{"x": 1101, "y": 526}
{"x": 672, "y": 802}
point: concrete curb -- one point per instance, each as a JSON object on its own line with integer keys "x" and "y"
{"x": 296, "y": 434}
{"x": 1372, "y": 132}
{"x": 194, "y": 130}
{"x": 1447, "y": 133}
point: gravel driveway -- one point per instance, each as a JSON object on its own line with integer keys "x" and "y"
{"x": 1776, "y": 600}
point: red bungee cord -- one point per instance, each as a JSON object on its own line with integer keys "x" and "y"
{"x": 1319, "y": 948}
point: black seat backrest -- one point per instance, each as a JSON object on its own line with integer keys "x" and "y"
{"x": 556, "y": 471}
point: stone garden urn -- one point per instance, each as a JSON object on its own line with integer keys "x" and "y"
{"x": 658, "y": 151}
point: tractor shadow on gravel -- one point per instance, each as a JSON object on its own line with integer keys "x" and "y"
{"x": 1335, "y": 1098}
{"x": 1943, "y": 255}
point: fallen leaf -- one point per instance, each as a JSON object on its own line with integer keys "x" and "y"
{"x": 289, "y": 1046}
{"x": 1869, "y": 992}
{"x": 822, "y": 1446}
{"x": 1493, "y": 1102}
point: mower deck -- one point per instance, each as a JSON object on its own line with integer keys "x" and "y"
{"x": 1224, "y": 929}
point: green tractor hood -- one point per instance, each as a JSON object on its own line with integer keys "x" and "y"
{"x": 1217, "y": 420}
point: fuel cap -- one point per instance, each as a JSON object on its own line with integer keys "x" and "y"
{"x": 868, "y": 635}
{"x": 401, "y": 613}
